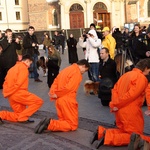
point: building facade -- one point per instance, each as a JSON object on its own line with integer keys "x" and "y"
{"x": 14, "y": 14}
{"x": 72, "y": 14}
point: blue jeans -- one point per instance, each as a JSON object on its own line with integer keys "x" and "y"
{"x": 93, "y": 72}
{"x": 33, "y": 67}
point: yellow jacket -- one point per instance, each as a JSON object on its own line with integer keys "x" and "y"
{"x": 110, "y": 43}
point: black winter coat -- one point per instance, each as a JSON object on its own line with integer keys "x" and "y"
{"x": 9, "y": 56}
{"x": 27, "y": 44}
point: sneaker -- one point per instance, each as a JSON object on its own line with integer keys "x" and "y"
{"x": 94, "y": 138}
{"x": 27, "y": 121}
{"x": 45, "y": 75}
{"x": 100, "y": 142}
{"x": 42, "y": 125}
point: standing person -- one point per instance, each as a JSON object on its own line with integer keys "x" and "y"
{"x": 47, "y": 42}
{"x": 63, "y": 91}
{"x": 15, "y": 88}
{"x": 117, "y": 35}
{"x": 56, "y": 40}
{"x": 91, "y": 44}
{"x": 53, "y": 64}
{"x": 30, "y": 45}
{"x": 62, "y": 41}
{"x": 109, "y": 42}
{"x": 72, "y": 49}
{"x": 137, "y": 44}
{"x": 127, "y": 100}
{"x": 9, "y": 56}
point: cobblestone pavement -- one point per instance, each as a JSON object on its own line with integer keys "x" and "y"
{"x": 19, "y": 136}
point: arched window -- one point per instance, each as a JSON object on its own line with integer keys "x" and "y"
{"x": 148, "y": 4}
{"x": 55, "y": 18}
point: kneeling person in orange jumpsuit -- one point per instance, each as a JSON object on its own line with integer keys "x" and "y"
{"x": 137, "y": 141}
{"x": 15, "y": 88}
{"x": 63, "y": 91}
{"x": 126, "y": 102}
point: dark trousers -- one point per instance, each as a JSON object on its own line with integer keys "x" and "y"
{"x": 3, "y": 73}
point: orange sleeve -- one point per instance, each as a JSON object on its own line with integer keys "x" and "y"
{"x": 134, "y": 92}
{"x": 71, "y": 86}
{"x": 148, "y": 96}
{"x": 20, "y": 76}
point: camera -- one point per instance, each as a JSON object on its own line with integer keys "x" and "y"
{"x": 125, "y": 41}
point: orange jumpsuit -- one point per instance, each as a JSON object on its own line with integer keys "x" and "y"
{"x": 65, "y": 86}
{"x": 15, "y": 88}
{"x": 128, "y": 96}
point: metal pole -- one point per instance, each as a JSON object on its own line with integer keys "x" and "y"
{"x": 7, "y": 14}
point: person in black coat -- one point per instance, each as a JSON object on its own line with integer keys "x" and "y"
{"x": 137, "y": 44}
{"x": 108, "y": 76}
{"x": 72, "y": 49}
{"x": 62, "y": 41}
{"x": 30, "y": 45}
{"x": 8, "y": 57}
{"x": 53, "y": 64}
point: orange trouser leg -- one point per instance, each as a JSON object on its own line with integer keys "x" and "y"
{"x": 10, "y": 116}
{"x": 68, "y": 116}
{"x": 17, "y": 107}
{"x": 18, "y": 102}
{"x": 116, "y": 137}
{"x": 101, "y": 131}
{"x": 146, "y": 138}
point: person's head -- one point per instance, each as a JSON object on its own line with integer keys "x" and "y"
{"x": 83, "y": 65}
{"x": 106, "y": 31}
{"x": 47, "y": 36}
{"x": 51, "y": 49}
{"x": 27, "y": 59}
{"x": 8, "y": 33}
{"x": 126, "y": 30}
{"x": 136, "y": 28}
{"x": 31, "y": 30}
{"x": 92, "y": 33}
{"x": 144, "y": 66}
{"x": 71, "y": 35}
{"x": 104, "y": 53}
{"x": 92, "y": 26}
{"x": 56, "y": 33}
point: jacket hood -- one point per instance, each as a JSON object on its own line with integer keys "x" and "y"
{"x": 93, "y": 32}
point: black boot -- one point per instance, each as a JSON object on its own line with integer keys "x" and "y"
{"x": 94, "y": 138}
{"x": 99, "y": 143}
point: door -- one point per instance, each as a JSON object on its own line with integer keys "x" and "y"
{"x": 76, "y": 20}
{"x": 102, "y": 19}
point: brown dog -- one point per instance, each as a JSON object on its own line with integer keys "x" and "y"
{"x": 42, "y": 63}
{"x": 90, "y": 86}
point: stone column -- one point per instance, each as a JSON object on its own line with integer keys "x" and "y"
{"x": 88, "y": 13}
{"x": 62, "y": 10}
